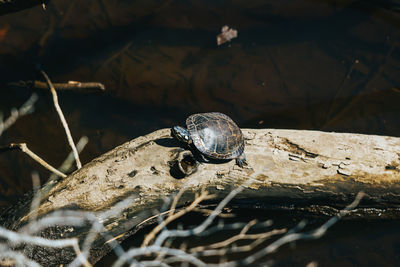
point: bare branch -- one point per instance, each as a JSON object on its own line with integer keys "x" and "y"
{"x": 25, "y": 109}
{"x": 173, "y": 216}
{"x": 317, "y": 233}
{"x": 18, "y": 238}
{"x": 8, "y": 257}
{"x": 241, "y": 236}
{"x": 36, "y": 197}
{"x": 71, "y": 218}
{"x": 134, "y": 252}
{"x": 182, "y": 233}
{"x": 65, "y": 167}
{"x": 62, "y": 118}
{"x": 76, "y": 86}
{"x": 24, "y": 148}
{"x": 233, "y": 226}
{"x": 222, "y": 251}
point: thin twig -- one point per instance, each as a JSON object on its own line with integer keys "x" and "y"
{"x": 98, "y": 227}
{"x": 176, "y": 199}
{"x": 203, "y": 226}
{"x": 207, "y": 212}
{"x": 36, "y": 196}
{"x": 25, "y": 109}
{"x": 66, "y": 166}
{"x": 8, "y": 257}
{"x": 221, "y": 251}
{"x": 72, "y": 218}
{"x": 134, "y": 252}
{"x": 233, "y": 226}
{"x": 76, "y": 86}
{"x": 62, "y": 118}
{"x": 17, "y": 238}
{"x": 241, "y": 236}
{"x": 290, "y": 237}
{"x": 204, "y": 195}
{"x": 24, "y": 148}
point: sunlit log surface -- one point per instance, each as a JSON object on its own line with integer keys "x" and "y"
{"x": 315, "y": 171}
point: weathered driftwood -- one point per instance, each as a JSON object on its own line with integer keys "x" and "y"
{"x": 288, "y": 167}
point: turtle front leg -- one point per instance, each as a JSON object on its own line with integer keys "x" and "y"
{"x": 241, "y": 160}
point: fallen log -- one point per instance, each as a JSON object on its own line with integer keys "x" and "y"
{"x": 307, "y": 169}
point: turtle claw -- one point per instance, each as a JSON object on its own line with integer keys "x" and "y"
{"x": 241, "y": 160}
{"x": 203, "y": 158}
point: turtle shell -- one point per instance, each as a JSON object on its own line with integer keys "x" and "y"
{"x": 215, "y": 135}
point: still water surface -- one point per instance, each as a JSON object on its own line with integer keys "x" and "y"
{"x": 302, "y": 64}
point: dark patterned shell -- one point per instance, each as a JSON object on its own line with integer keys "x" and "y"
{"x": 215, "y": 135}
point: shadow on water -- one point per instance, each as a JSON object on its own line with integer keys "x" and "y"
{"x": 302, "y": 64}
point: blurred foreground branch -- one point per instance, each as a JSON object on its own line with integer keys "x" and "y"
{"x": 25, "y": 109}
{"x": 159, "y": 253}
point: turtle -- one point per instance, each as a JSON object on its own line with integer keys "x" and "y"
{"x": 215, "y": 135}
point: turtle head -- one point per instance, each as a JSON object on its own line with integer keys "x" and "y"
{"x": 181, "y": 134}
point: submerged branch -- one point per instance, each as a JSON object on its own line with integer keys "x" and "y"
{"x": 75, "y": 86}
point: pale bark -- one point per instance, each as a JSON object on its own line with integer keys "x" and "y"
{"x": 289, "y": 167}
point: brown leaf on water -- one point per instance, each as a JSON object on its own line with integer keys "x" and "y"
{"x": 3, "y": 32}
{"x": 226, "y": 35}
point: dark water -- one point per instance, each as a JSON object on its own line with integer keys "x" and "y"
{"x": 301, "y": 64}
